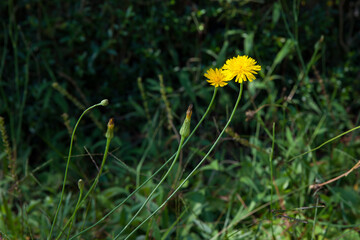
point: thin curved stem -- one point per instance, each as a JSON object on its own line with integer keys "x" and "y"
{"x": 197, "y": 166}
{"x": 328, "y": 141}
{"x": 76, "y": 206}
{"x": 154, "y": 190}
{"x": 271, "y": 181}
{"x": 91, "y": 188}
{"x": 152, "y": 176}
{"x": 67, "y": 167}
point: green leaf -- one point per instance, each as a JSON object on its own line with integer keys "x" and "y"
{"x": 276, "y": 13}
{"x": 249, "y": 42}
{"x": 214, "y": 165}
{"x": 285, "y": 50}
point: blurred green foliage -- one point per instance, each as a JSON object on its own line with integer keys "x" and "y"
{"x": 309, "y": 86}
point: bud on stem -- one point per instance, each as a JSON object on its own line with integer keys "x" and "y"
{"x": 81, "y": 184}
{"x": 185, "y": 129}
{"x": 110, "y": 129}
{"x": 104, "y": 102}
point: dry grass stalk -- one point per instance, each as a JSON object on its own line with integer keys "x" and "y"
{"x": 318, "y": 185}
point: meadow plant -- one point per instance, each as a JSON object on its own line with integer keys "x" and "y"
{"x": 239, "y": 69}
{"x": 242, "y": 68}
{"x": 104, "y": 102}
{"x": 156, "y": 172}
{"x": 109, "y": 136}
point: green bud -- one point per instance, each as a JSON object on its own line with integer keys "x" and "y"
{"x": 81, "y": 184}
{"x": 110, "y": 129}
{"x": 185, "y": 128}
{"x": 104, "y": 102}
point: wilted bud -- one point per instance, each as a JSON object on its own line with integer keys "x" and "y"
{"x": 185, "y": 129}
{"x": 110, "y": 129}
{"x": 104, "y": 102}
{"x": 189, "y": 112}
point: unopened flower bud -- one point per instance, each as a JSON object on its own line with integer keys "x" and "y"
{"x": 104, "y": 102}
{"x": 185, "y": 129}
{"x": 110, "y": 129}
{"x": 81, "y": 184}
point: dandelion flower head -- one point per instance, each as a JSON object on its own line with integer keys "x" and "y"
{"x": 216, "y": 77}
{"x": 241, "y": 67}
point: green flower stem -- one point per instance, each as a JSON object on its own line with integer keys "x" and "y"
{"x": 67, "y": 165}
{"x": 77, "y": 204}
{"x": 91, "y": 188}
{"x": 154, "y": 190}
{"x": 315, "y": 218}
{"x": 328, "y": 141}
{"x": 193, "y": 171}
{"x": 152, "y": 176}
{"x": 271, "y": 181}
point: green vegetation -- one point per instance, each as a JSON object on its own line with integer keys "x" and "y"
{"x": 285, "y": 162}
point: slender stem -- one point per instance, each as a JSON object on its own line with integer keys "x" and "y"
{"x": 77, "y": 204}
{"x": 67, "y": 167}
{"x": 154, "y": 190}
{"x": 315, "y": 218}
{"x": 193, "y": 171}
{"x": 91, "y": 188}
{"x": 203, "y": 117}
{"x": 271, "y": 181}
{"x": 328, "y": 141}
{"x": 152, "y": 176}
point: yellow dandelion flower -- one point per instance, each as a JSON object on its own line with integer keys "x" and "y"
{"x": 216, "y": 77}
{"x": 241, "y": 67}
